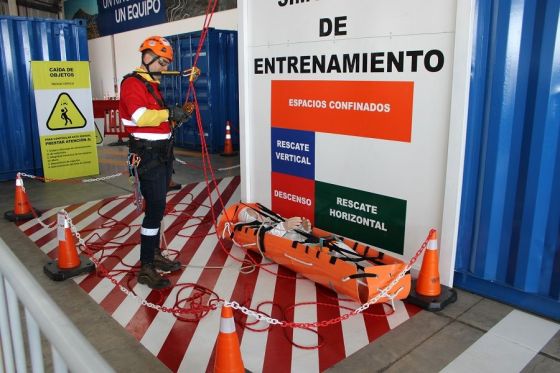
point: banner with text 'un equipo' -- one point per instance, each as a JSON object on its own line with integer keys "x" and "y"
{"x": 122, "y": 15}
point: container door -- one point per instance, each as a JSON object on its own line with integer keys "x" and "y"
{"x": 509, "y": 236}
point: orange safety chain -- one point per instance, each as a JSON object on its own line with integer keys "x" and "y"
{"x": 287, "y": 324}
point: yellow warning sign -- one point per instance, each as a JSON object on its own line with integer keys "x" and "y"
{"x": 98, "y": 135}
{"x": 65, "y": 114}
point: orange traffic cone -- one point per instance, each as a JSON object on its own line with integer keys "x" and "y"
{"x": 427, "y": 291}
{"x": 22, "y": 208}
{"x": 427, "y": 283}
{"x": 228, "y": 145}
{"x": 67, "y": 253}
{"x": 228, "y": 355}
{"x": 69, "y": 263}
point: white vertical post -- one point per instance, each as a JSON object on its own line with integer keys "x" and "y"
{"x": 58, "y": 363}
{"x": 5, "y": 335}
{"x": 464, "y": 34}
{"x": 15, "y": 326}
{"x": 34, "y": 340}
{"x": 114, "y": 60}
{"x": 246, "y": 130}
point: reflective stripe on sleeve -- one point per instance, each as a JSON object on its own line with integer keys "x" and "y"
{"x": 137, "y": 114}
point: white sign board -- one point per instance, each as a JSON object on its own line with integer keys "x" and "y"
{"x": 346, "y": 108}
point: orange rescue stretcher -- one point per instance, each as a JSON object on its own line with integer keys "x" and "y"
{"x": 345, "y": 266}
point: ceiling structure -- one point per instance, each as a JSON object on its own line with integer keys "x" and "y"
{"x": 34, "y": 8}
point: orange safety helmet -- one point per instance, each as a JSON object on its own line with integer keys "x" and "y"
{"x": 159, "y": 45}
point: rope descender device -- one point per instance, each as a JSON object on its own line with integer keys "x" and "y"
{"x": 133, "y": 162}
{"x": 193, "y": 73}
{"x": 188, "y": 107}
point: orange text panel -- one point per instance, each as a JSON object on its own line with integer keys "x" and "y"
{"x": 381, "y": 110}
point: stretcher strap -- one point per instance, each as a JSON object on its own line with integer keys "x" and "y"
{"x": 239, "y": 227}
{"x": 356, "y": 256}
{"x": 379, "y": 256}
{"x": 262, "y": 230}
{"x": 362, "y": 275}
{"x": 270, "y": 213}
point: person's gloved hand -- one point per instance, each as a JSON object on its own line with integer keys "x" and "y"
{"x": 177, "y": 114}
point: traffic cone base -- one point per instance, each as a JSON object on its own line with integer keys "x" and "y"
{"x": 12, "y": 216}
{"x": 433, "y": 304}
{"x": 230, "y": 154}
{"x": 55, "y": 273}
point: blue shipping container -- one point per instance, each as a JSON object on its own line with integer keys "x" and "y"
{"x": 509, "y": 235}
{"x": 25, "y": 40}
{"x": 216, "y": 87}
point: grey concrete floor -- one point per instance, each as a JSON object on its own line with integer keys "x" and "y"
{"x": 431, "y": 340}
{"x": 425, "y": 343}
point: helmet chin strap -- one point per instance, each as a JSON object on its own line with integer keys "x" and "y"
{"x": 147, "y": 65}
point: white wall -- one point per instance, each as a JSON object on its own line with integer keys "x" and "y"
{"x": 101, "y": 67}
{"x": 112, "y": 57}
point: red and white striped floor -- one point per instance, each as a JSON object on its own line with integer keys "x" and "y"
{"x": 189, "y": 346}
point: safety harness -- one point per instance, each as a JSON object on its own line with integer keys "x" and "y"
{"x": 149, "y": 87}
{"x": 163, "y": 148}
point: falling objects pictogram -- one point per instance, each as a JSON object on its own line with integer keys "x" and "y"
{"x": 65, "y": 114}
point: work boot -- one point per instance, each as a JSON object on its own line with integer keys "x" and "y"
{"x": 149, "y": 276}
{"x": 173, "y": 186}
{"x": 164, "y": 264}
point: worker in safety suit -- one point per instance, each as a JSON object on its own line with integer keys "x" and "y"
{"x": 149, "y": 123}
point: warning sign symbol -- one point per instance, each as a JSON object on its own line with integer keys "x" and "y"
{"x": 65, "y": 114}
{"x": 98, "y": 135}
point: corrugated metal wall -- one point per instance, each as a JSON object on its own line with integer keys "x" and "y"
{"x": 24, "y": 40}
{"x": 216, "y": 88}
{"x": 509, "y": 235}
